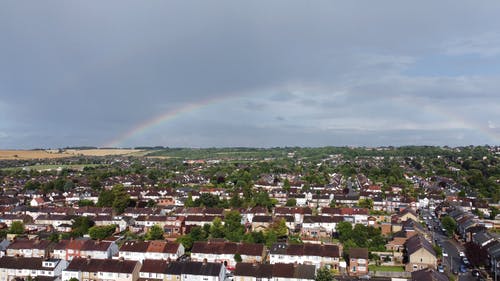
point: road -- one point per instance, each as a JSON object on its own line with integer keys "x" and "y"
{"x": 453, "y": 261}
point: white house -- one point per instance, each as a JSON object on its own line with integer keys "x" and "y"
{"x": 315, "y": 254}
{"x": 152, "y": 250}
{"x": 21, "y": 267}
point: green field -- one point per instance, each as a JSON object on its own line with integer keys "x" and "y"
{"x": 386, "y": 268}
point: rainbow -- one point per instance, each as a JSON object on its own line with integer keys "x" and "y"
{"x": 160, "y": 119}
{"x": 418, "y": 104}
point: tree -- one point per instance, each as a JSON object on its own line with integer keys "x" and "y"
{"x": 151, "y": 203}
{"x": 286, "y": 185}
{"x": 102, "y": 231}
{"x": 235, "y": 200}
{"x": 189, "y": 201}
{"x": 254, "y": 237}
{"x": 233, "y": 229}
{"x": 105, "y": 199}
{"x": 68, "y": 185}
{"x": 95, "y": 184}
{"x": 333, "y": 203}
{"x": 449, "y": 224}
{"x": 197, "y": 234}
{"x": 17, "y": 227}
{"x": 324, "y": 274}
{"x": 478, "y": 256}
{"x": 344, "y": 230}
{"x": 73, "y": 279}
{"x": 237, "y": 257}
{"x": 291, "y": 202}
{"x": 360, "y": 235}
{"x": 366, "y": 203}
{"x": 207, "y": 200}
{"x": 279, "y": 228}
{"x": 154, "y": 233}
{"x": 121, "y": 198}
{"x": 85, "y": 202}
{"x": 54, "y": 237}
{"x": 217, "y": 229}
{"x": 81, "y": 226}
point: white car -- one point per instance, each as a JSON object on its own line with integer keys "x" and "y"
{"x": 445, "y": 254}
{"x": 461, "y": 254}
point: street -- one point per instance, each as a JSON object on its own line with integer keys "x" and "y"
{"x": 449, "y": 247}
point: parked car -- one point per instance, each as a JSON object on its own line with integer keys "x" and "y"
{"x": 440, "y": 268}
{"x": 465, "y": 261}
{"x": 461, "y": 254}
{"x": 475, "y": 273}
{"x": 463, "y": 268}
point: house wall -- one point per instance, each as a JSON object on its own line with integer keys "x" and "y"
{"x": 66, "y": 275}
{"x": 421, "y": 259}
{"x": 358, "y": 267}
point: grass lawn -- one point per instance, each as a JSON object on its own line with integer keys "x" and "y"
{"x": 386, "y": 268}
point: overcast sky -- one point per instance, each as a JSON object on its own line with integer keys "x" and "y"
{"x": 249, "y": 73}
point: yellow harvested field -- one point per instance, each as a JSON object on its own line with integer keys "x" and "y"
{"x": 103, "y": 152}
{"x": 51, "y": 154}
{"x": 30, "y": 154}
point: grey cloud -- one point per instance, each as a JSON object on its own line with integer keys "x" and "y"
{"x": 87, "y": 71}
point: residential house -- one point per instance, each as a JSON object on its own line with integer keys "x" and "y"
{"x": 493, "y": 250}
{"x": 428, "y": 274}
{"x": 406, "y": 214}
{"x": 39, "y": 201}
{"x": 297, "y": 212}
{"x": 320, "y": 226}
{"x": 155, "y": 270}
{"x": 358, "y": 261}
{"x": 483, "y": 238}
{"x": 464, "y": 224}
{"x": 3, "y": 246}
{"x": 102, "y": 270}
{"x": 253, "y": 272}
{"x": 315, "y": 254}
{"x": 54, "y": 220}
{"x": 200, "y": 220}
{"x": 358, "y": 215}
{"x": 98, "y": 249}
{"x": 22, "y": 268}
{"x": 8, "y": 219}
{"x": 196, "y": 271}
{"x": 174, "y": 226}
{"x": 261, "y": 222}
{"x": 30, "y": 248}
{"x": 152, "y": 250}
{"x": 224, "y": 252}
{"x": 419, "y": 254}
{"x": 84, "y": 248}
{"x": 121, "y": 222}
{"x": 248, "y": 215}
{"x": 278, "y": 272}
{"x": 148, "y": 221}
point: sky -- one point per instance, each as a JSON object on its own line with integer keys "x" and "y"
{"x": 249, "y": 73}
